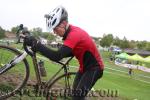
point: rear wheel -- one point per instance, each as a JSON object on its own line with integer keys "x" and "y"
{"x": 12, "y": 80}
{"x": 61, "y": 87}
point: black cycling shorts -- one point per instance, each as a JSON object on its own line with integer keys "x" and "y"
{"x": 83, "y": 83}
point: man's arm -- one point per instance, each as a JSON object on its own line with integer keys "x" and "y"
{"x": 64, "y": 51}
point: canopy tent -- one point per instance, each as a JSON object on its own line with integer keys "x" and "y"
{"x": 123, "y": 56}
{"x": 136, "y": 57}
{"x": 147, "y": 59}
{"x": 116, "y": 50}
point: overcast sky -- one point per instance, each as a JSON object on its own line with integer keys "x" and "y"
{"x": 129, "y": 18}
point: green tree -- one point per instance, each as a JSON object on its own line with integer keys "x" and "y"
{"x": 148, "y": 46}
{"x": 117, "y": 41}
{"x": 132, "y": 44}
{"x": 2, "y": 32}
{"x": 37, "y": 31}
{"x": 107, "y": 40}
{"x": 14, "y": 29}
{"x": 124, "y": 43}
{"x": 141, "y": 44}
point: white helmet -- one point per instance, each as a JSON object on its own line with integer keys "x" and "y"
{"x": 55, "y": 17}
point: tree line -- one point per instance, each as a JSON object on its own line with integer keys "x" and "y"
{"x": 37, "y": 32}
{"x": 108, "y": 39}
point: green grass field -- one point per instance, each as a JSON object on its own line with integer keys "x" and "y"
{"x": 130, "y": 87}
{"x": 115, "y": 79}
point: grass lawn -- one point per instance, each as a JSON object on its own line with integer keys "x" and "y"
{"x": 133, "y": 87}
{"x": 115, "y": 78}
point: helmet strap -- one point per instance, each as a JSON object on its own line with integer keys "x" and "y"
{"x": 66, "y": 31}
{"x": 67, "y": 26}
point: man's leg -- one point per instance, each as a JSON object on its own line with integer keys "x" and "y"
{"x": 77, "y": 80}
{"x": 85, "y": 83}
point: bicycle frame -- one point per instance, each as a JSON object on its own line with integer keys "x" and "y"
{"x": 38, "y": 76}
{"x": 18, "y": 59}
{"x": 21, "y": 57}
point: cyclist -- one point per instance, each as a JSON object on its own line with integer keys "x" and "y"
{"x": 76, "y": 42}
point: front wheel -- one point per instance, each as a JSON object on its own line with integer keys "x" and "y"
{"x": 15, "y": 77}
{"x": 60, "y": 88}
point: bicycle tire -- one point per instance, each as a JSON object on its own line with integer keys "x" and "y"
{"x": 5, "y": 77}
{"x": 60, "y": 95}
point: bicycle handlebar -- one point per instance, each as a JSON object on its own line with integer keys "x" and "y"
{"x": 23, "y": 35}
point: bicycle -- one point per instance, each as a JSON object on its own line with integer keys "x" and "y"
{"x": 14, "y": 74}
